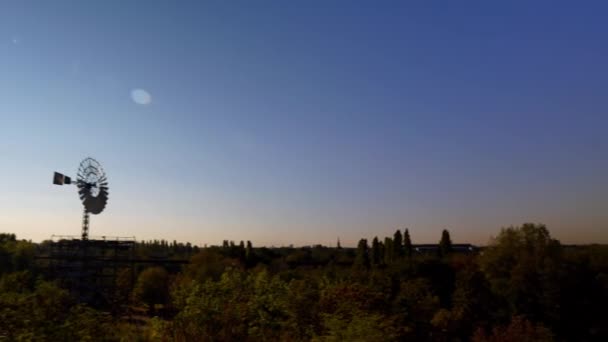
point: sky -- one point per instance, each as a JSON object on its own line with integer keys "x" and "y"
{"x": 302, "y": 122}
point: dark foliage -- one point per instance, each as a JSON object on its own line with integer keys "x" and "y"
{"x": 524, "y": 286}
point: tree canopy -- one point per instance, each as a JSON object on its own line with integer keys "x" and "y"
{"x": 523, "y": 286}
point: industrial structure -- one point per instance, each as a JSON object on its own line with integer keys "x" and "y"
{"x": 94, "y": 269}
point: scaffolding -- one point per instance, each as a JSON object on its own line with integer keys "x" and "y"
{"x": 91, "y": 269}
{"x": 99, "y": 270}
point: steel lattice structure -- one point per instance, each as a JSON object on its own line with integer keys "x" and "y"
{"x": 90, "y": 266}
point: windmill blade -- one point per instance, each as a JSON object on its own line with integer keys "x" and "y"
{"x": 92, "y": 185}
{"x": 97, "y": 206}
{"x": 88, "y": 203}
{"x": 94, "y": 209}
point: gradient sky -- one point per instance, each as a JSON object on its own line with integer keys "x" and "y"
{"x": 303, "y": 121}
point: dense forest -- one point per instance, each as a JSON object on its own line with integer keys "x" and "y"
{"x": 523, "y": 286}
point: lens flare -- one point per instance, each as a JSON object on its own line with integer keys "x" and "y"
{"x": 141, "y": 96}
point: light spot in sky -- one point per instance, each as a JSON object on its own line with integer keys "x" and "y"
{"x": 141, "y": 96}
{"x": 15, "y": 40}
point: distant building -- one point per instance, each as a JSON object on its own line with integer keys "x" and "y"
{"x": 464, "y": 248}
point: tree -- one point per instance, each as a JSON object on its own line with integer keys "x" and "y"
{"x": 207, "y": 264}
{"x": 472, "y": 300}
{"x": 445, "y": 245}
{"x": 214, "y": 310}
{"x": 407, "y": 243}
{"x": 416, "y": 304}
{"x": 362, "y": 257}
{"x": 522, "y": 266}
{"x": 242, "y": 253}
{"x": 86, "y": 324}
{"x": 37, "y": 315}
{"x": 6, "y": 237}
{"x": 152, "y": 287}
{"x": 301, "y": 309}
{"x": 249, "y": 256}
{"x": 388, "y": 250}
{"x": 376, "y": 251}
{"x": 398, "y": 244}
{"x": 360, "y": 326}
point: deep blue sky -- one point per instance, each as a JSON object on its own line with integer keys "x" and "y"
{"x": 300, "y": 122}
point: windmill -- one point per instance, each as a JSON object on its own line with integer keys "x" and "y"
{"x": 92, "y": 185}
